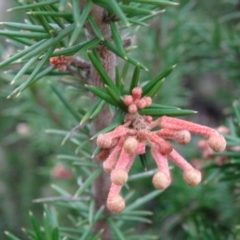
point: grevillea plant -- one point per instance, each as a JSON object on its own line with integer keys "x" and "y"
{"x": 83, "y": 39}
{"x": 121, "y": 146}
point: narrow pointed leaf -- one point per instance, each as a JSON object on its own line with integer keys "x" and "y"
{"x": 135, "y": 11}
{"x": 62, "y": 5}
{"x": 156, "y": 88}
{"x": 50, "y": 14}
{"x": 104, "y": 76}
{"x": 11, "y": 236}
{"x": 140, "y": 201}
{"x": 135, "y": 78}
{"x": 117, "y": 51}
{"x": 95, "y": 28}
{"x": 91, "y": 212}
{"x": 81, "y": 22}
{"x": 38, "y": 68}
{"x": 148, "y": 87}
{"x": 74, "y": 113}
{"x": 91, "y": 110}
{"x": 25, "y": 68}
{"x": 23, "y": 26}
{"x": 101, "y": 94}
{"x": 118, "y": 11}
{"x": 34, "y": 5}
{"x": 98, "y": 109}
{"x": 116, "y": 229}
{"x": 156, "y": 2}
{"x": 35, "y": 35}
{"x": 116, "y": 97}
{"x": 143, "y": 160}
{"x": 36, "y": 227}
{"x": 117, "y": 38}
{"x": 77, "y": 48}
{"x": 88, "y": 182}
{"x": 21, "y": 54}
{"x": 168, "y": 112}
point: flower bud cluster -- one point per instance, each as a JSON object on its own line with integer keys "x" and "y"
{"x": 61, "y": 62}
{"x": 135, "y": 102}
{"x": 121, "y": 146}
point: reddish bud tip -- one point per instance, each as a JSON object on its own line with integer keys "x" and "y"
{"x": 137, "y": 92}
{"x": 192, "y": 177}
{"x": 131, "y": 145}
{"x": 217, "y": 143}
{"x": 161, "y": 180}
{"x": 116, "y": 204}
{"x": 103, "y": 155}
{"x": 119, "y": 176}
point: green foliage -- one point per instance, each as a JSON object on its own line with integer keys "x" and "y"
{"x": 186, "y": 35}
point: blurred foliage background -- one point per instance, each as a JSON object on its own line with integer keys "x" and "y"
{"x": 202, "y": 38}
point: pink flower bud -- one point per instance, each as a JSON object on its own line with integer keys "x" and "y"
{"x": 128, "y": 100}
{"x": 161, "y": 180}
{"x": 137, "y": 92}
{"x": 192, "y": 177}
{"x": 103, "y": 141}
{"x": 119, "y": 176}
{"x": 132, "y": 109}
{"x": 141, "y": 104}
{"x": 148, "y": 101}
{"x": 131, "y": 145}
{"x": 183, "y": 137}
{"x": 217, "y": 143}
{"x": 116, "y": 204}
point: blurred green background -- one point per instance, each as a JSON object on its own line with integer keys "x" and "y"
{"x": 203, "y": 39}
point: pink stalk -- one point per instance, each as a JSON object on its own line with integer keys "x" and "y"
{"x": 117, "y": 132}
{"x": 124, "y": 160}
{"x": 175, "y": 157}
{"x": 164, "y": 146}
{"x": 160, "y": 160}
{"x": 111, "y": 161}
{"x": 141, "y": 148}
{"x": 114, "y": 190}
{"x": 178, "y": 124}
{"x": 167, "y": 133}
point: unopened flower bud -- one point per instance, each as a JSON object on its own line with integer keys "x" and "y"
{"x": 128, "y": 100}
{"x": 131, "y": 145}
{"x": 116, "y": 204}
{"x": 108, "y": 166}
{"x": 103, "y": 141}
{"x": 192, "y": 177}
{"x": 183, "y": 137}
{"x": 137, "y": 92}
{"x": 148, "y": 101}
{"x": 141, "y": 104}
{"x": 217, "y": 143}
{"x": 119, "y": 176}
{"x": 132, "y": 108}
{"x": 161, "y": 180}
